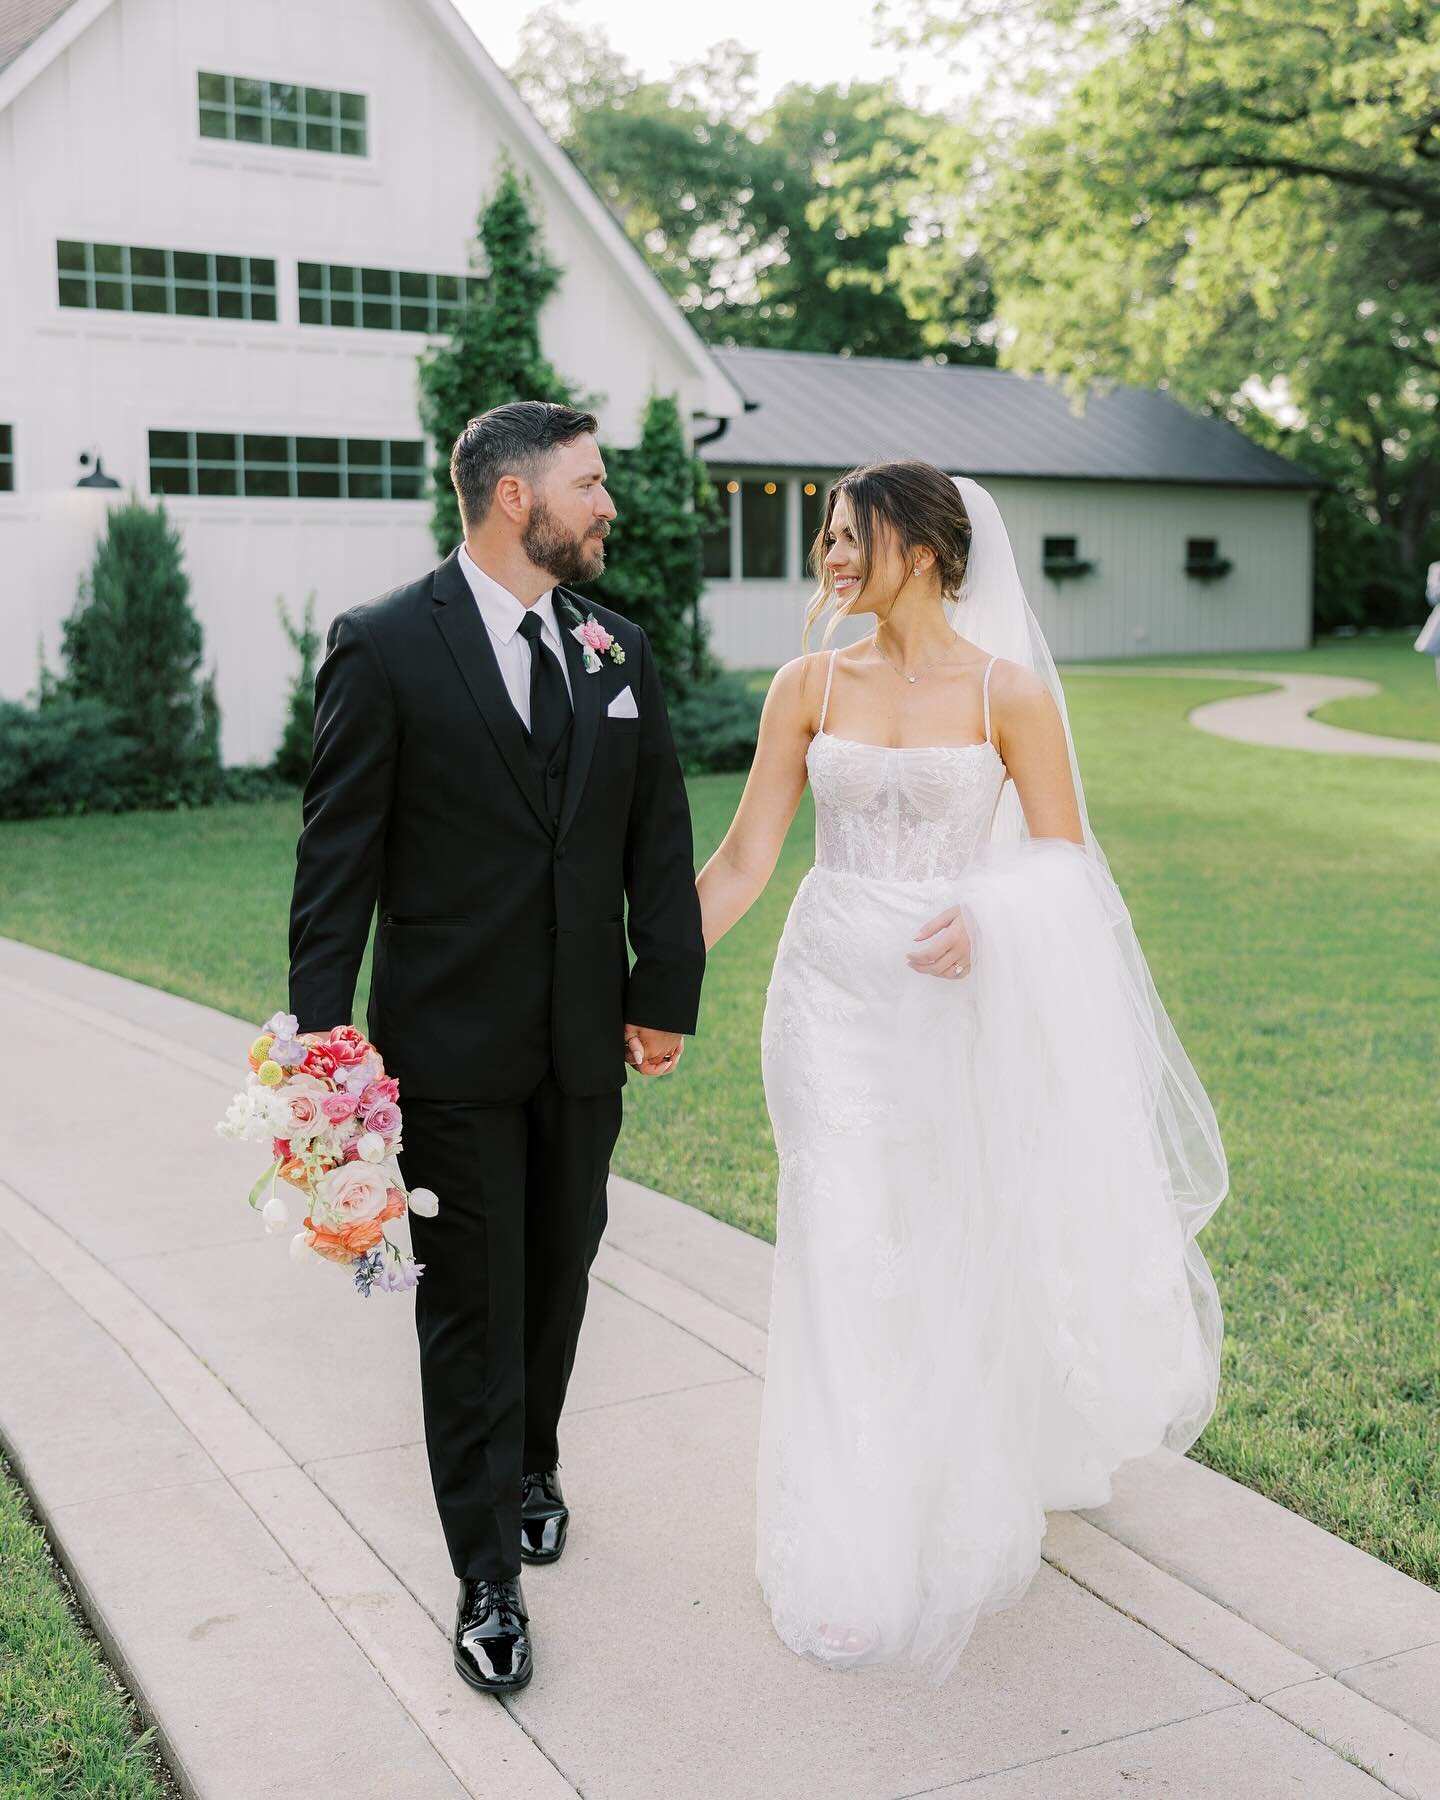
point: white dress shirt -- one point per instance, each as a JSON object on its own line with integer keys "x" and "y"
{"x": 503, "y": 614}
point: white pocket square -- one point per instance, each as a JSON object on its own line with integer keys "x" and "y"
{"x": 623, "y": 706}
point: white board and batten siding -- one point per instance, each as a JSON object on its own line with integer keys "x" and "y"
{"x": 102, "y": 145}
{"x": 1138, "y": 601}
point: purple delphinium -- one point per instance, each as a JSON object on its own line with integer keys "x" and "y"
{"x": 369, "y": 1272}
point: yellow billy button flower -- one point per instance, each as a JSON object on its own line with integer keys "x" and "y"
{"x": 260, "y": 1049}
{"x": 270, "y": 1074}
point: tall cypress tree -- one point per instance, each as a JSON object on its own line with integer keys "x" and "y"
{"x": 654, "y": 572}
{"x": 493, "y": 354}
{"x": 134, "y": 642}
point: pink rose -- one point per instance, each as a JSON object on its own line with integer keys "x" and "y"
{"x": 593, "y": 635}
{"x": 384, "y": 1118}
{"x": 388, "y": 1089}
{"x": 351, "y": 1193}
{"x": 337, "y": 1108}
{"x": 297, "y": 1114}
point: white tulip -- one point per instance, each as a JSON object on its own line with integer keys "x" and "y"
{"x": 425, "y": 1202}
{"x": 372, "y": 1147}
{"x": 275, "y": 1213}
{"x": 300, "y": 1248}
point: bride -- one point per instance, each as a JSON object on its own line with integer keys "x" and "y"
{"x": 994, "y": 1155}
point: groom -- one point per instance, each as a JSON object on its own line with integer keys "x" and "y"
{"x": 493, "y": 765}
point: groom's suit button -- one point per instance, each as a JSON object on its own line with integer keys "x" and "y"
{"x": 554, "y": 772}
{"x": 559, "y": 851}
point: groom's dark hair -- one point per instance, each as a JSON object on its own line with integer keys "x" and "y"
{"x": 514, "y": 439}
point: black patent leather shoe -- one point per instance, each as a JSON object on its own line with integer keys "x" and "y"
{"x": 544, "y": 1517}
{"x": 492, "y": 1636}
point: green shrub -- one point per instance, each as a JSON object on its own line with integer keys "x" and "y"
{"x": 67, "y": 756}
{"x": 292, "y": 759}
{"x": 716, "y": 725}
{"x": 134, "y": 644}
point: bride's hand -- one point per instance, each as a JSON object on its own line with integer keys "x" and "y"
{"x": 947, "y": 946}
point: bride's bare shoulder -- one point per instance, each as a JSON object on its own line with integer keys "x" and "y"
{"x": 796, "y": 687}
{"x": 1014, "y": 686}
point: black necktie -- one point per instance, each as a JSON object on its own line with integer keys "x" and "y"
{"x": 550, "y": 708}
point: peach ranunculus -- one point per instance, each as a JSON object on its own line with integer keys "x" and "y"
{"x": 351, "y": 1193}
{"x": 394, "y": 1204}
{"x": 343, "y": 1243}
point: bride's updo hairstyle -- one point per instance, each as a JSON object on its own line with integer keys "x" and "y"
{"x": 922, "y": 507}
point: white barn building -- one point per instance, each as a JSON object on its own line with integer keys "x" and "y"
{"x": 1138, "y": 526}
{"x": 227, "y": 233}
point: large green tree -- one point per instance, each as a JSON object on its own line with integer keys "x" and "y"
{"x": 493, "y": 352}
{"x": 799, "y": 225}
{"x": 661, "y": 493}
{"x": 1241, "y": 201}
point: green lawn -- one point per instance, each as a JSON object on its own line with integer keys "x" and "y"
{"x": 67, "y": 1727}
{"x": 1285, "y": 901}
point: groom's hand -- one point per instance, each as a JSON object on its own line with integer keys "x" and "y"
{"x": 653, "y": 1052}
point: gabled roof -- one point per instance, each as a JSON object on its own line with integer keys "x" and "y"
{"x": 34, "y": 32}
{"x": 22, "y": 21}
{"x": 832, "y": 412}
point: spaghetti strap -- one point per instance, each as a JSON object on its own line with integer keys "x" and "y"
{"x": 825, "y": 703}
{"x": 988, "y": 667}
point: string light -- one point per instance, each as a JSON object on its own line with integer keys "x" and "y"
{"x": 732, "y": 487}
{"x": 809, "y": 487}
{"x": 769, "y": 487}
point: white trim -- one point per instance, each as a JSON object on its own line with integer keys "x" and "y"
{"x": 721, "y": 398}
{"x": 38, "y": 55}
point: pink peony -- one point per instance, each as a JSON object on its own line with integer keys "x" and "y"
{"x": 593, "y": 635}
{"x": 387, "y": 1089}
{"x": 337, "y": 1108}
{"x": 384, "y": 1118}
{"x": 353, "y": 1192}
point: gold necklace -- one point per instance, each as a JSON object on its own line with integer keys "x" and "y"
{"x": 912, "y": 679}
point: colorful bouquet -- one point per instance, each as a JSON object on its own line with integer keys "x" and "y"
{"x": 331, "y": 1117}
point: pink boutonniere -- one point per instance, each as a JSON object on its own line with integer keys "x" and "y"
{"x": 596, "y": 642}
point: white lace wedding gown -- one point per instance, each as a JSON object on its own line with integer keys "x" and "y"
{"x": 986, "y": 1290}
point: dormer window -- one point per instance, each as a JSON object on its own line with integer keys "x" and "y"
{"x": 282, "y": 114}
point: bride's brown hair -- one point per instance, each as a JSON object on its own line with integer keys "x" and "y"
{"x": 922, "y": 507}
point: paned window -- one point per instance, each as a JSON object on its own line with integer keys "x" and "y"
{"x": 282, "y": 114}
{"x": 191, "y": 284}
{"x": 7, "y": 459}
{"x": 254, "y": 465}
{"x": 716, "y": 543}
{"x": 380, "y": 299}
{"x": 762, "y": 530}
{"x": 1060, "y": 549}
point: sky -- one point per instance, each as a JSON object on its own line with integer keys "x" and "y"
{"x": 654, "y": 35}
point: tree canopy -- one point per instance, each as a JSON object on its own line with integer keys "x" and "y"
{"x": 1240, "y": 201}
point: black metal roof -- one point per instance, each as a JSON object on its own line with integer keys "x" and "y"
{"x": 832, "y": 412}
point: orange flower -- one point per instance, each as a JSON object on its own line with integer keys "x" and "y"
{"x": 293, "y": 1171}
{"x": 344, "y": 1243}
{"x": 394, "y": 1207}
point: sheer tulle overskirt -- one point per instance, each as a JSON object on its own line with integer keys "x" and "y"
{"x": 987, "y": 1290}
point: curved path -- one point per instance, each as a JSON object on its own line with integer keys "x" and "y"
{"x": 1281, "y": 718}
{"x": 228, "y": 1451}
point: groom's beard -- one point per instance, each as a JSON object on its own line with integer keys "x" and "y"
{"x": 560, "y": 553}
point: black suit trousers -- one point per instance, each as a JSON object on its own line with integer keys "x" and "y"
{"x": 499, "y": 1306}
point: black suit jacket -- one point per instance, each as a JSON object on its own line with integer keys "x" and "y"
{"x": 500, "y": 952}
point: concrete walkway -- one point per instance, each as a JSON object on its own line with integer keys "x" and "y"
{"x": 1281, "y": 718}
{"x": 227, "y": 1451}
